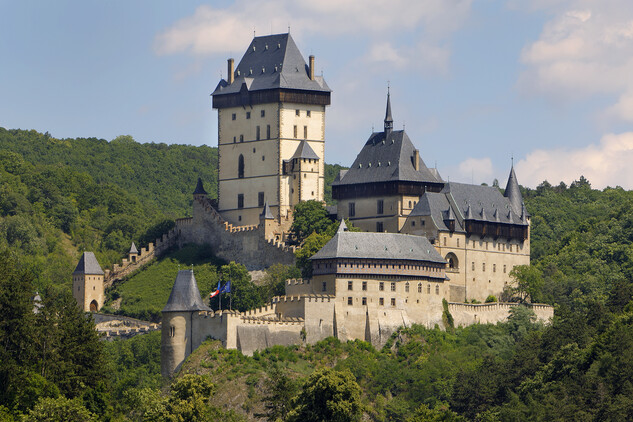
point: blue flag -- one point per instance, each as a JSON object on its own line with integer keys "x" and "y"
{"x": 226, "y": 288}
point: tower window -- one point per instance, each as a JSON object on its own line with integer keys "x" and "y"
{"x": 248, "y": 114}
{"x": 324, "y": 286}
{"x": 297, "y": 112}
{"x": 352, "y": 209}
{"x": 234, "y": 139}
{"x": 393, "y": 301}
{"x": 364, "y": 301}
{"x": 233, "y": 116}
{"x": 380, "y": 227}
{"x": 240, "y": 200}
{"x": 295, "y": 131}
{"x": 263, "y": 113}
{"x": 240, "y": 167}
{"x": 483, "y": 266}
{"x": 258, "y": 133}
{"x": 381, "y": 286}
{"x": 393, "y": 287}
{"x": 381, "y": 301}
{"x": 364, "y": 285}
{"x": 267, "y": 131}
{"x": 419, "y": 287}
{"x": 260, "y": 199}
{"x": 437, "y": 290}
{"x": 350, "y": 285}
{"x": 241, "y": 138}
{"x": 305, "y": 132}
{"x": 349, "y": 300}
{"x": 308, "y": 114}
{"x": 406, "y": 287}
{"x": 380, "y": 206}
{"x": 172, "y": 330}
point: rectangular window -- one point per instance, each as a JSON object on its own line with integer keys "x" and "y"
{"x": 457, "y": 242}
{"x": 240, "y": 200}
{"x": 258, "y": 135}
{"x": 295, "y": 131}
{"x": 234, "y": 139}
{"x": 308, "y": 113}
{"x": 379, "y": 227}
{"x": 406, "y": 288}
{"x": 297, "y": 112}
{"x": 364, "y": 301}
{"x": 324, "y": 286}
{"x": 483, "y": 266}
{"x": 260, "y": 199}
{"x": 380, "y": 206}
{"x": 172, "y": 330}
{"x": 473, "y": 268}
{"x": 267, "y": 131}
{"x": 381, "y": 286}
{"x": 364, "y": 285}
{"x": 381, "y": 301}
{"x": 504, "y": 268}
{"x": 263, "y": 113}
{"x": 393, "y": 287}
{"x": 233, "y": 116}
{"x": 350, "y": 285}
{"x": 248, "y": 114}
{"x": 241, "y": 138}
{"x": 352, "y": 209}
{"x": 305, "y": 132}
{"x": 393, "y": 301}
{"x": 349, "y": 300}
{"x": 494, "y": 268}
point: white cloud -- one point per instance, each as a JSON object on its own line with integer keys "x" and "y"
{"x": 605, "y": 164}
{"x": 471, "y": 170}
{"x": 585, "y": 50}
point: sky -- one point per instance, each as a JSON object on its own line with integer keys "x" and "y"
{"x": 475, "y": 83}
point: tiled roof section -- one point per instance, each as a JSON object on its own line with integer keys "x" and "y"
{"x": 271, "y": 62}
{"x": 470, "y": 202}
{"x": 513, "y": 193}
{"x": 304, "y": 150}
{"x": 133, "y": 248}
{"x": 185, "y": 295}
{"x": 199, "y": 188}
{"x": 346, "y": 244}
{"x": 386, "y": 158}
{"x": 88, "y": 265}
{"x": 266, "y": 214}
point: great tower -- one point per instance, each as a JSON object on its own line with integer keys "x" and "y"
{"x": 271, "y": 132}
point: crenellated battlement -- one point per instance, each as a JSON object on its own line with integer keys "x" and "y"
{"x": 482, "y": 313}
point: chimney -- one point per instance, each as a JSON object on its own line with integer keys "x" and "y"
{"x": 416, "y": 159}
{"x": 230, "y": 71}
{"x": 311, "y": 67}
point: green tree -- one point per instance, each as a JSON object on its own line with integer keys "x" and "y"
{"x": 60, "y": 409}
{"x": 328, "y": 395}
{"x": 280, "y": 389}
{"x": 309, "y": 217}
{"x": 528, "y": 282}
{"x": 244, "y": 294}
{"x": 189, "y": 399}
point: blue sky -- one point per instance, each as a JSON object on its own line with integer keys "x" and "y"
{"x": 475, "y": 82}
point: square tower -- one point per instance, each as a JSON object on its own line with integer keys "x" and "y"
{"x": 88, "y": 279}
{"x": 271, "y": 118}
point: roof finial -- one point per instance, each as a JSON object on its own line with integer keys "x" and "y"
{"x": 253, "y": 32}
{"x": 388, "y": 118}
{"x": 512, "y": 160}
{"x": 289, "y": 28}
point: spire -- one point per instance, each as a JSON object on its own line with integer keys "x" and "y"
{"x": 469, "y": 213}
{"x": 266, "y": 214}
{"x": 342, "y": 227}
{"x": 88, "y": 265}
{"x": 133, "y": 249}
{"x": 496, "y": 215}
{"x": 185, "y": 295}
{"x": 199, "y": 188}
{"x": 388, "y": 118}
{"x": 513, "y": 193}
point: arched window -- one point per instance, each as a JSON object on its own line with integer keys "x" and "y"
{"x": 453, "y": 263}
{"x": 437, "y": 290}
{"x": 419, "y": 287}
{"x": 240, "y": 167}
{"x": 406, "y": 287}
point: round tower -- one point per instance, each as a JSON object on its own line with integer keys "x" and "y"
{"x": 177, "y": 326}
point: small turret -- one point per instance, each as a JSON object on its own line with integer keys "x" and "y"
{"x": 199, "y": 192}
{"x": 513, "y": 192}
{"x": 132, "y": 255}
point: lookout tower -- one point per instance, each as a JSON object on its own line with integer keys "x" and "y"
{"x": 271, "y": 115}
{"x": 88, "y": 283}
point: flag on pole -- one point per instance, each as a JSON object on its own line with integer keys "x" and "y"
{"x": 227, "y": 287}
{"x": 217, "y": 291}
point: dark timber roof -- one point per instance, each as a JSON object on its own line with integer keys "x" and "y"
{"x": 513, "y": 193}
{"x": 386, "y": 158}
{"x": 185, "y": 295}
{"x": 272, "y": 62}
{"x": 88, "y": 265}
{"x": 346, "y": 244}
{"x": 466, "y": 202}
{"x": 304, "y": 150}
{"x": 199, "y": 188}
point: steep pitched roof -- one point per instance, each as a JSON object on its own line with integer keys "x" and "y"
{"x": 304, "y": 150}
{"x": 346, "y": 244}
{"x": 88, "y": 265}
{"x": 185, "y": 295}
{"x": 272, "y": 61}
{"x": 384, "y": 158}
{"x": 199, "y": 188}
{"x": 513, "y": 193}
{"x": 133, "y": 248}
{"x": 266, "y": 214}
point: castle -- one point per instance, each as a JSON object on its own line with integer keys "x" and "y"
{"x": 427, "y": 247}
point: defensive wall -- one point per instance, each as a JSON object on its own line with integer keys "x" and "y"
{"x": 484, "y": 313}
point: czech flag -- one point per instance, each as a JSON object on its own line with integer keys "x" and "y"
{"x": 217, "y": 291}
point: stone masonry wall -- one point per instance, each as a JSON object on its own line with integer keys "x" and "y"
{"x": 467, "y": 314}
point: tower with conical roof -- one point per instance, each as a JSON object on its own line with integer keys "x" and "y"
{"x": 271, "y": 113}
{"x": 88, "y": 279}
{"x": 513, "y": 192}
{"x": 178, "y": 331}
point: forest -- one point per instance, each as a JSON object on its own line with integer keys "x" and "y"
{"x": 58, "y": 197}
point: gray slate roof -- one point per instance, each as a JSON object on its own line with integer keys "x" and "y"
{"x": 133, "y": 248}
{"x": 346, "y": 244}
{"x": 266, "y": 214}
{"x": 513, "y": 192}
{"x": 386, "y": 158}
{"x": 270, "y": 62}
{"x": 88, "y": 265}
{"x": 199, "y": 188}
{"x": 485, "y": 202}
{"x": 304, "y": 150}
{"x": 185, "y": 295}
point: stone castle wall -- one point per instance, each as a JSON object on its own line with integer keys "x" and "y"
{"x": 467, "y": 314}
